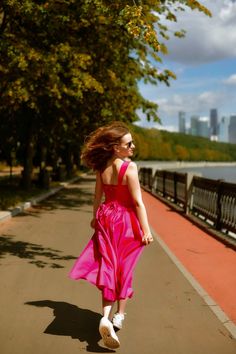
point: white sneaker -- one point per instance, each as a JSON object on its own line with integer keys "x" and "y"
{"x": 118, "y": 320}
{"x": 108, "y": 334}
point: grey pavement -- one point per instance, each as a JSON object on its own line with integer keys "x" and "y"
{"x": 43, "y": 311}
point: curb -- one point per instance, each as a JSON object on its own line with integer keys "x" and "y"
{"x": 6, "y": 215}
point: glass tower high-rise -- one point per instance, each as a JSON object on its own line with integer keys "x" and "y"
{"x": 232, "y": 130}
{"x": 194, "y": 125}
{"x": 213, "y": 122}
{"x": 203, "y": 127}
{"x": 182, "y": 122}
{"x": 224, "y": 130}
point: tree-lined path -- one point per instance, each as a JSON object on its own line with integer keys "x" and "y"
{"x": 42, "y": 311}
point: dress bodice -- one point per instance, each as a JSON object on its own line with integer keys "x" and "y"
{"x": 119, "y": 192}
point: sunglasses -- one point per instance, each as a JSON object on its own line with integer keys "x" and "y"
{"x": 129, "y": 144}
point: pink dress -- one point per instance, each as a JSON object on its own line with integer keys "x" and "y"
{"x": 109, "y": 259}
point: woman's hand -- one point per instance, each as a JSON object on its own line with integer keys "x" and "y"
{"x": 147, "y": 239}
{"x": 92, "y": 223}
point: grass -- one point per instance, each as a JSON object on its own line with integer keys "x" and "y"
{"x": 11, "y": 191}
{"x": 12, "y": 194}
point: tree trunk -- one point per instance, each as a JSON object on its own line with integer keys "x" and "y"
{"x": 77, "y": 160}
{"x": 44, "y": 175}
{"x": 69, "y": 162}
{"x": 28, "y": 164}
{"x": 43, "y": 158}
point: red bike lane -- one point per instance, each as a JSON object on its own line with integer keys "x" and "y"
{"x": 208, "y": 260}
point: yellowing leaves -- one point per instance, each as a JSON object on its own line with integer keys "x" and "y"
{"x": 163, "y": 48}
{"x": 112, "y": 75}
{"x": 34, "y": 55}
{"x": 55, "y": 91}
{"x": 193, "y": 4}
{"x": 17, "y": 93}
{"x": 22, "y": 64}
{"x": 89, "y": 54}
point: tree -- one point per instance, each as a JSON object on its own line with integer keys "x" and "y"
{"x": 69, "y": 63}
{"x": 181, "y": 152}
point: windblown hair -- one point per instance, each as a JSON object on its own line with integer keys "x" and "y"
{"x": 99, "y": 146}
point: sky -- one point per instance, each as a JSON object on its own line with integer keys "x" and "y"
{"x": 205, "y": 64}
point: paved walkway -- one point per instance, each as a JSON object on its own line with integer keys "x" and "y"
{"x": 42, "y": 311}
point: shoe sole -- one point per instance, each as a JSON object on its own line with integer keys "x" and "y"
{"x": 108, "y": 340}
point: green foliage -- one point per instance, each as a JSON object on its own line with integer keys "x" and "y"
{"x": 64, "y": 49}
{"x": 69, "y": 66}
{"x": 152, "y": 144}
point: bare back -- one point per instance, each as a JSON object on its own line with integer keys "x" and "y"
{"x": 111, "y": 172}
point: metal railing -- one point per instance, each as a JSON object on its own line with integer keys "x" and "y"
{"x": 213, "y": 201}
{"x": 216, "y": 201}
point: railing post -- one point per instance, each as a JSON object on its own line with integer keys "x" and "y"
{"x": 144, "y": 176}
{"x": 150, "y": 179}
{"x": 188, "y": 192}
{"x": 164, "y": 184}
{"x": 218, "y": 205}
{"x": 140, "y": 173}
{"x": 175, "y": 187}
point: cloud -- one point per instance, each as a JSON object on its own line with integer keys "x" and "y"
{"x": 144, "y": 123}
{"x": 190, "y": 103}
{"x": 204, "y": 62}
{"x": 210, "y": 99}
{"x": 227, "y": 13}
{"x": 169, "y": 128}
{"x": 207, "y": 39}
{"x": 231, "y": 80}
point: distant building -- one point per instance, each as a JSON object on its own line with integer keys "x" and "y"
{"x": 213, "y": 123}
{"x": 199, "y": 126}
{"x": 232, "y": 130}
{"x": 203, "y": 127}
{"x": 182, "y": 122}
{"x": 223, "y": 132}
{"x": 194, "y": 125}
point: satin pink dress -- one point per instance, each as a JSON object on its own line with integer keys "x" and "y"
{"x": 109, "y": 259}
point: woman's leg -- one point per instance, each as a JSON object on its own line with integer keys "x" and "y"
{"x": 106, "y": 307}
{"x": 119, "y": 316}
{"x": 121, "y": 306}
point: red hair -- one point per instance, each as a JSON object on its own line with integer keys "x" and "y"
{"x": 99, "y": 146}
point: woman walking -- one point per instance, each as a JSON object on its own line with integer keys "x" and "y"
{"x": 120, "y": 223}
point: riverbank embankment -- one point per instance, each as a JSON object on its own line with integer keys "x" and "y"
{"x": 183, "y": 164}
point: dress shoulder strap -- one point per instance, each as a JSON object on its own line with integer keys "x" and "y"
{"x": 122, "y": 171}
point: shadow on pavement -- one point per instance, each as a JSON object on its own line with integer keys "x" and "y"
{"x": 72, "y": 321}
{"x": 73, "y": 197}
{"x": 32, "y": 252}
{"x": 68, "y": 198}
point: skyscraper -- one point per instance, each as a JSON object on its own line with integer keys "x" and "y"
{"x": 194, "y": 125}
{"x": 224, "y": 130}
{"x": 182, "y": 122}
{"x": 232, "y": 130}
{"x": 199, "y": 126}
{"x": 213, "y": 123}
{"x": 203, "y": 127}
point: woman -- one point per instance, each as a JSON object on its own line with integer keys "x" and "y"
{"x": 120, "y": 222}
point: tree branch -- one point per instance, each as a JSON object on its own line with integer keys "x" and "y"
{"x": 3, "y": 24}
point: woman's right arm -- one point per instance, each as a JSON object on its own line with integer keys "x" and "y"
{"x": 135, "y": 191}
{"x": 97, "y": 197}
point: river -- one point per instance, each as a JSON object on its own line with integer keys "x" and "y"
{"x": 225, "y": 171}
